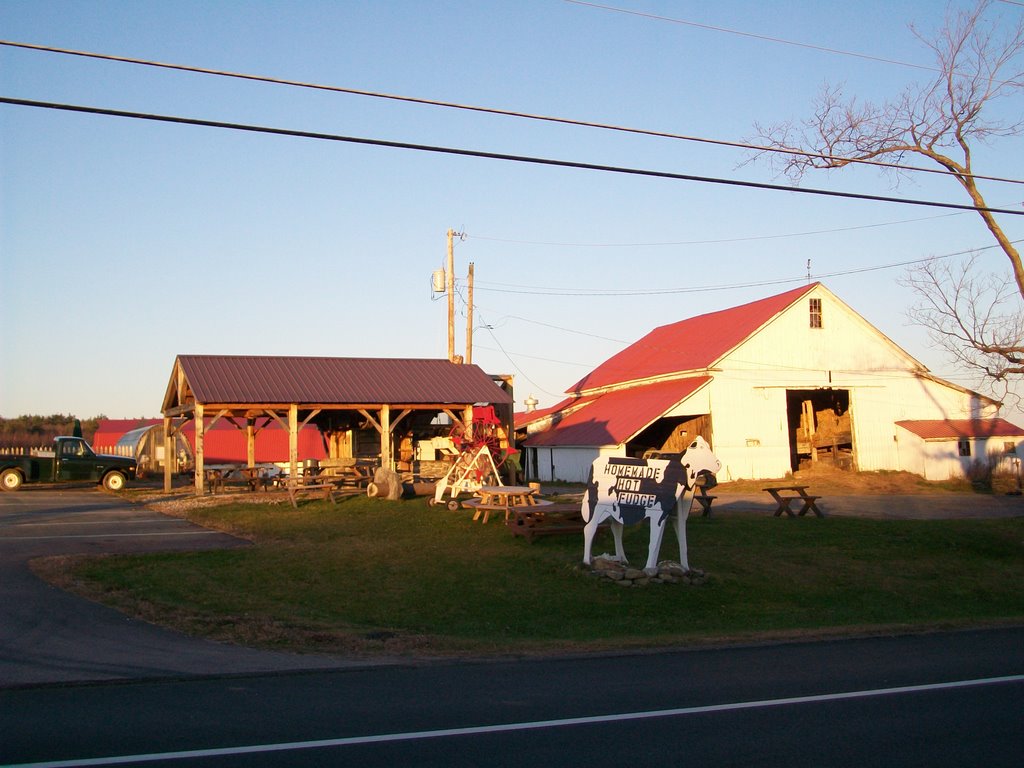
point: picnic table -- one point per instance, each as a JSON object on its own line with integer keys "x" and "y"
{"x": 787, "y": 495}
{"x": 503, "y": 498}
{"x": 701, "y": 496}
{"x": 310, "y": 483}
{"x": 544, "y": 520}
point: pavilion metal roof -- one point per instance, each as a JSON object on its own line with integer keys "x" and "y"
{"x": 246, "y": 379}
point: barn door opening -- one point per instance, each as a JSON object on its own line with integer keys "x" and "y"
{"x": 670, "y": 435}
{"x": 820, "y": 428}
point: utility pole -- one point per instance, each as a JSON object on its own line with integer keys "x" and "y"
{"x": 449, "y": 284}
{"x": 469, "y": 317}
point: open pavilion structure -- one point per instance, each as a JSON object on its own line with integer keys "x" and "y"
{"x": 332, "y": 394}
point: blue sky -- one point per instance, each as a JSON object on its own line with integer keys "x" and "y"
{"x": 125, "y": 243}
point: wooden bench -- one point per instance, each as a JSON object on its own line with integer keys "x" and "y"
{"x": 787, "y": 495}
{"x": 324, "y": 486}
{"x": 702, "y": 497}
{"x": 551, "y": 519}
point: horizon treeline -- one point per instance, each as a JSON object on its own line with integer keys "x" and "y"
{"x": 31, "y": 431}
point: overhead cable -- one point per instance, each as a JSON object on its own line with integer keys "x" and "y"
{"x": 481, "y": 285}
{"x": 493, "y": 110}
{"x": 495, "y": 155}
{"x": 717, "y": 241}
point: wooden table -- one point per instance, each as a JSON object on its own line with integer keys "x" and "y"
{"x": 310, "y": 484}
{"x": 503, "y": 498}
{"x": 256, "y": 477}
{"x": 214, "y": 479}
{"x": 701, "y": 496}
{"x": 787, "y": 495}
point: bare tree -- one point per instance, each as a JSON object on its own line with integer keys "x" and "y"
{"x": 977, "y": 63}
{"x": 974, "y": 317}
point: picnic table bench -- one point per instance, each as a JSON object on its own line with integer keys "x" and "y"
{"x": 551, "y": 518}
{"x": 503, "y": 498}
{"x": 787, "y": 495}
{"x": 701, "y": 496}
{"x": 311, "y": 484}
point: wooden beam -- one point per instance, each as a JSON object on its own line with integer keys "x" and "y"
{"x": 385, "y": 437}
{"x": 200, "y": 489}
{"x": 250, "y": 442}
{"x": 293, "y": 442}
{"x": 169, "y": 453}
{"x": 369, "y": 417}
{"x": 312, "y": 415}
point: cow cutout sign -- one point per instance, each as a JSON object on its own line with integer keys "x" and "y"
{"x": 625, "y": 491}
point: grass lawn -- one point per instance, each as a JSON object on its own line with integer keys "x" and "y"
{"x": 376, "y": 577}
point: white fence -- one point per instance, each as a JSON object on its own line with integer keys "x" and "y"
{"x": 22, "y": 450}
{"x": 110, "y": 450}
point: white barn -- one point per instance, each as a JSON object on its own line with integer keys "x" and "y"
{"x": 791, "y": 378}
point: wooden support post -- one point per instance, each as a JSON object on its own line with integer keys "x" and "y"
{"x": 200, "y": 469}
{"x": 250, "y": 442}
{"x": 385, "y": 437}
{"x": 293, "y": 442}
{"x": 170, "y": 456}
{"x": 449, "y": 283}
{"x": 469, "y": 317}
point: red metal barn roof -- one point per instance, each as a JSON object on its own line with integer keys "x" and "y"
{"x": 615, "y": 417}
{"x": 689, "y": 345}
{"x": 109, "y": 431}
{"x": 961, "y": 429}
{"x": 336, "y": 380}
{"x": 224, "y": 442}
{"x": 524, "y": 418}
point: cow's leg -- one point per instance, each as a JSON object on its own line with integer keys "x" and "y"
{"x": 654, "y": 547}
{"x": 589, "y": 530}
{"x": 620, "y": 551}
{"x": 679, "y": 521}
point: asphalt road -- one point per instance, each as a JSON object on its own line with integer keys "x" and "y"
{"x": 937, "y": 700}
{"x": 47, "y": 635}
{"x": 82, "y": 685}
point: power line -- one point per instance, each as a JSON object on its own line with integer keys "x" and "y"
{"x": 766, "y": 38}
{"x": 719, "y": 241}
{"x": 585, "y": 292}
{"x": 494, "y": 155}
{"x": 490, "y": 110}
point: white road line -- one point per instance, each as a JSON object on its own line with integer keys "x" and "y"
{"x": 110, "y": 536}
{"x": 73, "y": 522}
{"x": 510, "y": 727}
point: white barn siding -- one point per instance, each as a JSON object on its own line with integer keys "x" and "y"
{"x": 747, "y": 395}
{"x": 941, "y": 460}
{"x": 571, "y": 464}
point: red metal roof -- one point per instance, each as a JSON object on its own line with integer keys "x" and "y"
{"x": 336, "y": 380}
{"x": 223, "y": 442}
{"x": 689, "y": 345}
{"x": 615, "y": 417}
{"x": 961, "y": 429}
{"x": 523, "y": 418}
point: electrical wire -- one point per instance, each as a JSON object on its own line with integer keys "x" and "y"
{"x": 766, "y": 38}
{"x": 719, "y": 241}
{"x": 492, "y": 110}
{"x": 588, "y": 292}
{"x": 493, "y": 155}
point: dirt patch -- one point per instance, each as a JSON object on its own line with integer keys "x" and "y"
{"x": 828, "y": 479}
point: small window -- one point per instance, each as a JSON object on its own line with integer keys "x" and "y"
{"x": 816, "y": 314}
{"x": 965, "y": 447}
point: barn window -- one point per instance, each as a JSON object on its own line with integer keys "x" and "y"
{"x": 816, "y": 314}
{"x": 965, "y": 447}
